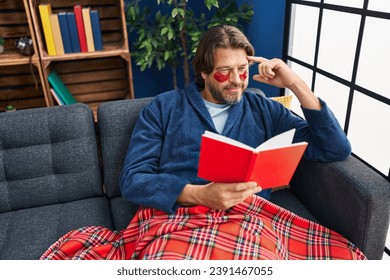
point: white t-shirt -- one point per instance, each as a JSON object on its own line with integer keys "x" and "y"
{"x": 219, "y": 113}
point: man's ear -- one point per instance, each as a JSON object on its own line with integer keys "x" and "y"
{"x": 204, "y": 75}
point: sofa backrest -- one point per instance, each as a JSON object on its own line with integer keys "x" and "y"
{"x": 47, "y": 156}
{"x": 116, "y": 121}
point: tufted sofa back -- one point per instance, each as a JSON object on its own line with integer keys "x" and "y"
{"x": 47, "y": 157}
{"x": 116, "y": 122}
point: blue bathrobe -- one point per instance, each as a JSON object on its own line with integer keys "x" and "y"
{"x": 164, "y": 151}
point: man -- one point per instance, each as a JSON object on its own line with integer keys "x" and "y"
{"x": 219, "y": 221}
{"x": 160, "y": 169}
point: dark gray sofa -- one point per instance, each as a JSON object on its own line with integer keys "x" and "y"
{"x": 59, "y": 171}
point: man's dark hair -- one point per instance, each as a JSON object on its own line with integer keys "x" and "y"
{"x": 221, "y": 36}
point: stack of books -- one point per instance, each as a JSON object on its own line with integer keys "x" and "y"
{"x": 71, "y": 32}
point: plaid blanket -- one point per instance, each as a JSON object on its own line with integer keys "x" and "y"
{"x": 254, "y": 229}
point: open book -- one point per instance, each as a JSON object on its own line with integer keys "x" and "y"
{"x": 271, "y": 164}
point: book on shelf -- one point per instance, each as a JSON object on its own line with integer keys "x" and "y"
{"x": 56, "y": 97}
{"x": 80, "y": 27}
{"x": 45, "y": 12}
{"x": 88, "y": 28}
{"x": 96, "y": 30}
{"x": 55, "y": 27}
{"x": 73, "y": 33}
{"x": 60, "y": 89}
{"x": 272, "y": 164}
{"x": 63, "y": 22}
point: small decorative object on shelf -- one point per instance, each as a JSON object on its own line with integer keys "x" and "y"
{"x": 2, "y": 42}
{"x": 24, "y": 46}
{"x": 10, "y": 108}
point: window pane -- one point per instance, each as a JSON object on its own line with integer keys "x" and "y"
{"x": 334, "y": 94}
{"x": 369, "y": 131}
{"x": 303, "y": 32}
{"x": 338, "y": 43}
{"x": 347, "y": 3}
{"x": 307, "y": 75}
{"x": 373, "y": 70}
{"x": 379, "y": 5}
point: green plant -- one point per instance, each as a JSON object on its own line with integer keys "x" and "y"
{"x": 2, "y": 41}
{"x": 169, "y": 36}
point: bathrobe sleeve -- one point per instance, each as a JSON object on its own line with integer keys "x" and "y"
{"x": 141, "y": 181}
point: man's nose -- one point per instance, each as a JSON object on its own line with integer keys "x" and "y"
{"x": 234, "y": 76}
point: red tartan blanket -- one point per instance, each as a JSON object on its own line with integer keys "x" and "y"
{"x": 254, "y": 229}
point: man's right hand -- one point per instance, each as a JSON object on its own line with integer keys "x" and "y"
{"x": 217, "y": 196}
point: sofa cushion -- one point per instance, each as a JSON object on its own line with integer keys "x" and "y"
{"x": 122, "y": 212}
{"x": 47, "y": 156}
{"x": 116, "y": 122}
{"x": 289, "y": 201}
{"x": 27, "y": 233}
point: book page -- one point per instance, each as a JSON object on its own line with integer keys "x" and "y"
{"x": 227, "y": 140}
{"x": 281, "y": 140}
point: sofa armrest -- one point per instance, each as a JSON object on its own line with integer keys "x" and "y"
{"x": 348, "y": 197}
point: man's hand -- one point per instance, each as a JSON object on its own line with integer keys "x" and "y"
{"x": 277, "y": 73}
{"x": 274, "y": 72}
{"x": 217, "y": 196}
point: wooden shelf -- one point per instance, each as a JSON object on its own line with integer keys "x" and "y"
{"x": 112, "y": 50}
{"x": 20, "y": 76}
{"x": 92, "y": 77}
{"x": 12, "y": 58}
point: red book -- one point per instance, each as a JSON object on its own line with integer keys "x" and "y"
{"x": 80, "y": 27}
{"x": 271, "y": 164}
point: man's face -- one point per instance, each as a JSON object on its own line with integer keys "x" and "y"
{"x": 229, "y": 78}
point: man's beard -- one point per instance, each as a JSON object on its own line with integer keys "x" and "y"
{"x": 228, "y": 99}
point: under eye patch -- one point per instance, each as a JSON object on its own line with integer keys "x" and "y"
{"x": 219, "y": 77}
{"x": 243, "y": 76}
